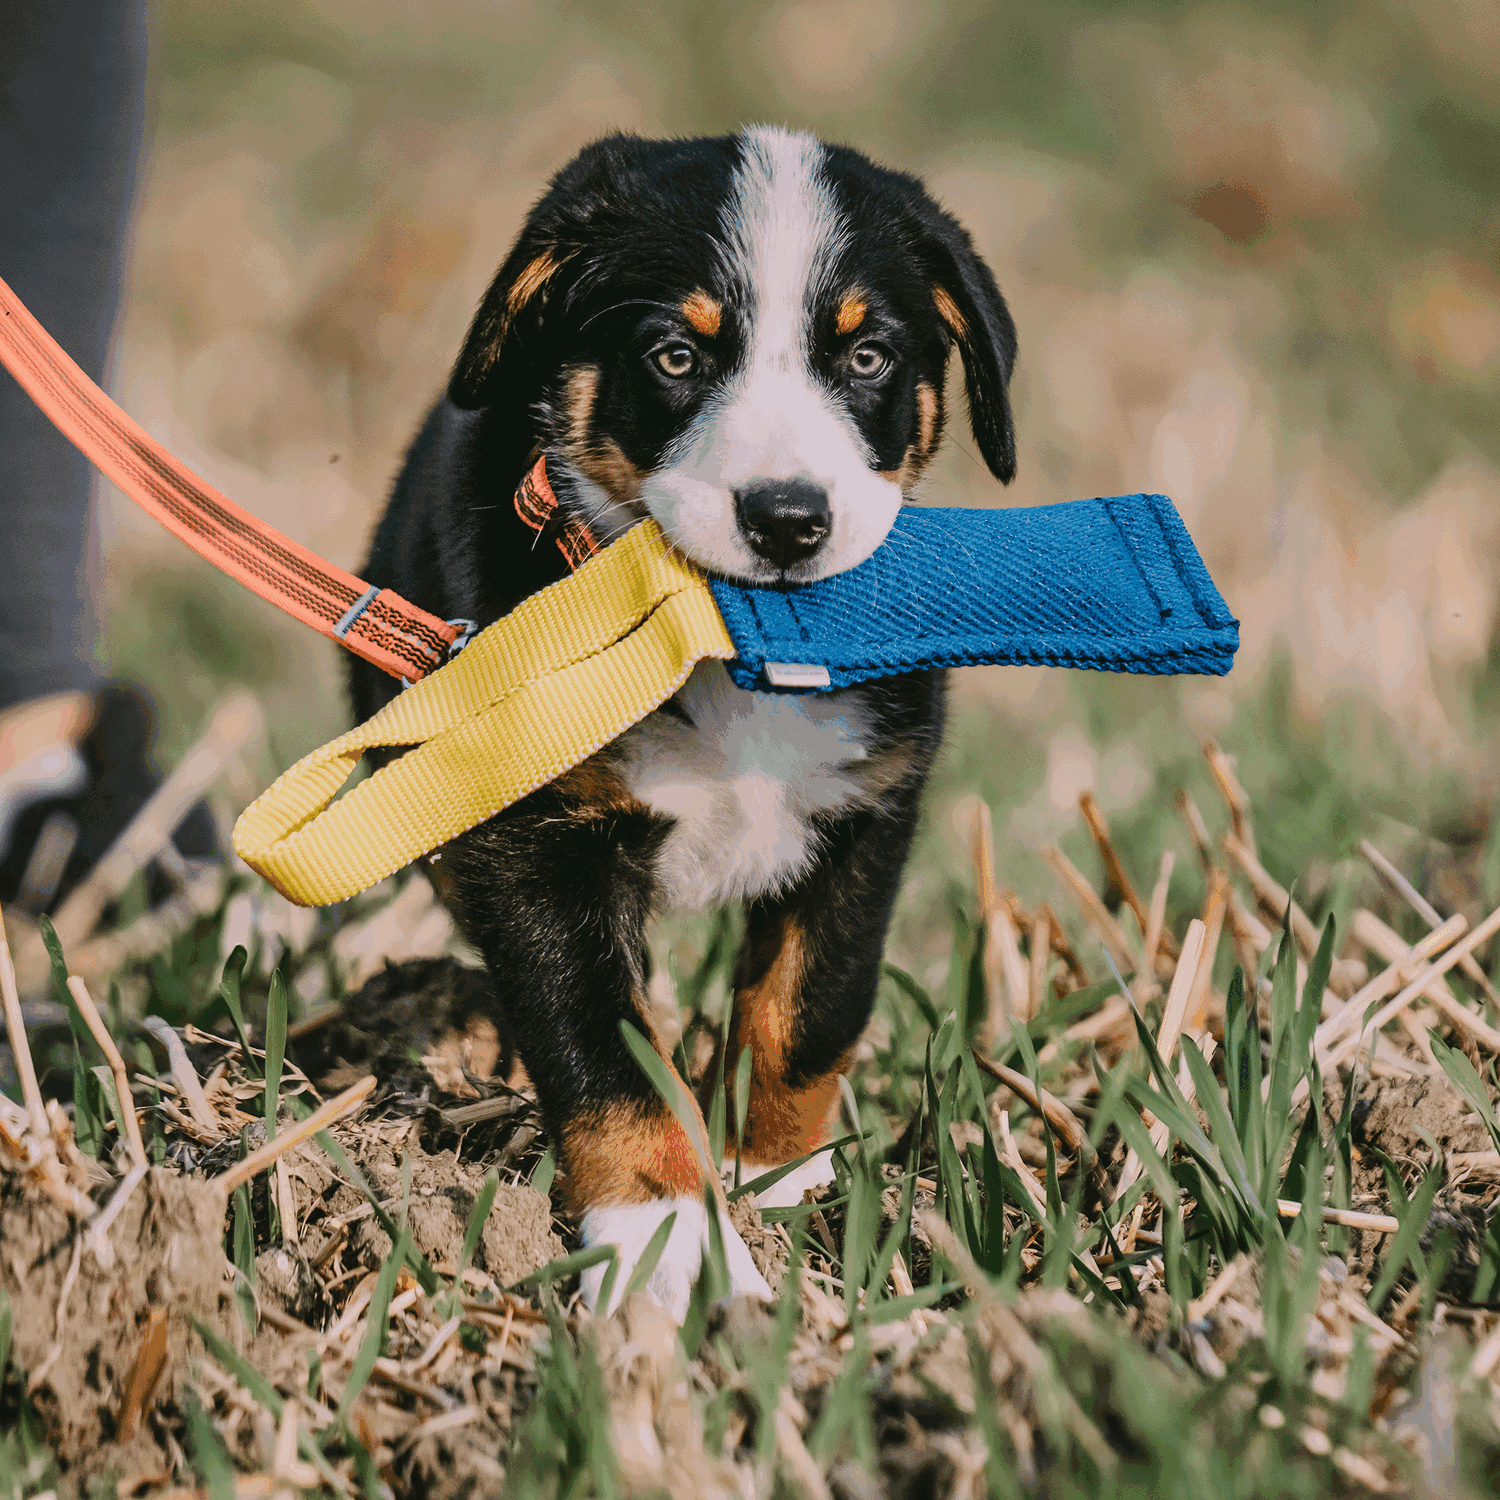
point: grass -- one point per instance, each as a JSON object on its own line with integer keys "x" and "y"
{"x": 1082, "y": 1300}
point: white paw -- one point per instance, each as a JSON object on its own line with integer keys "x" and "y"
{"x": 631, "y": 1225}
{"x": 788, "y": 1192}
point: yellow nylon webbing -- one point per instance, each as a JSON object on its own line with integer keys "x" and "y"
{"x": 557, "y": 679}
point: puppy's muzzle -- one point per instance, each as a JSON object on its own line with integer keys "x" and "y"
{"x": 785, "y": 521}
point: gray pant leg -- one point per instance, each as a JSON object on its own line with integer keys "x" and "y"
{"x": 72, "y": 113}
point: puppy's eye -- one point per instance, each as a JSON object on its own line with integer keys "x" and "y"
{"x": 676, "y": 361}
{"x": 869, "y": 362}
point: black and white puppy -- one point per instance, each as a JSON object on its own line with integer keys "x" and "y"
{"x": 745, "y": 338}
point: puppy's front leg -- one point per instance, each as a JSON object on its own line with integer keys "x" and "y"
{"x": 804, "y": 989}
{"x": 555, "y": 893}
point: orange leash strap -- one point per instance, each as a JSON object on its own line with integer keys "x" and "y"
{"x": 374, "y": 623}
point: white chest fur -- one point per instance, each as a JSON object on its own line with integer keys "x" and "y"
{"x": 742, "y": 780}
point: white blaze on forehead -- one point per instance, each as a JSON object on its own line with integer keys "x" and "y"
{"x": 775, "y": 419}
{"x": 784, "y": 232}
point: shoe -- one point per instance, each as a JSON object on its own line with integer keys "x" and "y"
{"x": 62, "y": 809}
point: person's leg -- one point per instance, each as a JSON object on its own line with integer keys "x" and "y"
{"x": 74, "y": 750}
{"x": 72, "y": 114}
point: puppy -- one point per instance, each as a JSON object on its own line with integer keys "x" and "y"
{"x": 745, "y": 338}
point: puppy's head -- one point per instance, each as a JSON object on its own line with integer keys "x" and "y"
{"x": 744, "y": 337}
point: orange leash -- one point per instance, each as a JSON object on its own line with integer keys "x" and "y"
{"x": 377, "y": 624}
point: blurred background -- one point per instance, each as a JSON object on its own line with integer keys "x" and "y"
{"x": 1253, "y": 252}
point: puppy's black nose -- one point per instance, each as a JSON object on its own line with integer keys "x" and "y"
{"x": 784, "y": 520}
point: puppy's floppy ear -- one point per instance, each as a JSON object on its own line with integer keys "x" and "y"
{"x": 497, "y": 358}
{"x": 969, "y": 302}
{"x": 500, "y": 357}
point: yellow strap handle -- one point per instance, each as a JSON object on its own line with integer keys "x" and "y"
{"x": 557, "y": 679}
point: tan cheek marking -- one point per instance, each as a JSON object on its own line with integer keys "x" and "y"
{"x": 915, "y": 459}
{"x": 852, "y": 312}
{"x": 905, "y": 473}
{"x": 608, "y": 467}
{"x": 579, "y": 393}
{"x": 629, "y": 1153}
{"x": 703, "y": 312}
{"x": 948, "y": 311}
{"x": 529, "y": 283}
{"x": 927, "y": 414}
{"x": 600, "y": 459}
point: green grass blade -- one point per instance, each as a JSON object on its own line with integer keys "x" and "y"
{"x": 1012, "y": 1184}
{"x": 913, "y": 992}
{"x": 211, "y": 1461}
{"x": 741, "y": 1107}
{"x": 1220, "y": 1126}
{"x": 716, "y": 1257}
{"x": 769, "y": 1179}
{"x": 1405, "y": 1244}
{"x": 650, "y": 1256}
{"x": 563, "y": 1267}
{"x": 244, "y": 1244}
{"x": 229, "y": 993}
{"x": 259, "y": 1387}
{"x": 544, "y": 1171}
{"x": 472, "y": 1230}
{"x": 104, "y": 1081}
{"x": 1284, "y": 1068}
{"x": 672, "y": 1090}
{"x": 993, "y": 1226}
{"x": 1487, "y": 1279}
{"x": 477, "y": 1216}
{"x": 1295, "y": 1180}
{"x": 1138, "y": 1138}
{"x": 275, "y": 1049}
{"x": 894, "y": 1308}
{"x": 1183, "y": 1124}
{"x": 88, "y": 1101}
{"x": 373, "y": 1343}
{"x": 1395, "y": 1188}
{"x": 1311, "y": 1009}
{"x": 1234, "y": 1052}
{"x": 718, "y": 1101}
{"x": 607, "y": 1286}
{"x": 1462, "y": 1075}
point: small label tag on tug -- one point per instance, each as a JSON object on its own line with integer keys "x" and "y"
{"x": 797, "y": 674}
{"x": 1113, "y": 584}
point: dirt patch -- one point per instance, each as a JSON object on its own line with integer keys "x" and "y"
{"x": 1396, "y": 1114}
{"x": 79, "y": 1326}
{"x": 422, "y": 1008}
{"x": 517, "y": 1236}
{"x": 767, "y": 1248}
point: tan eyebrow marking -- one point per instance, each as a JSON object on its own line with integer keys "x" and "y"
{"x": 948, "y": 311}
{"x": 703, "y": 312}
{"x": 852, "y": 311}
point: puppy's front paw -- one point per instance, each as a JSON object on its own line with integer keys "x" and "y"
{"x": 631, "y": 1225}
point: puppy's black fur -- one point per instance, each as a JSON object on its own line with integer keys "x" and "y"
{"x": 636, "y": 335}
